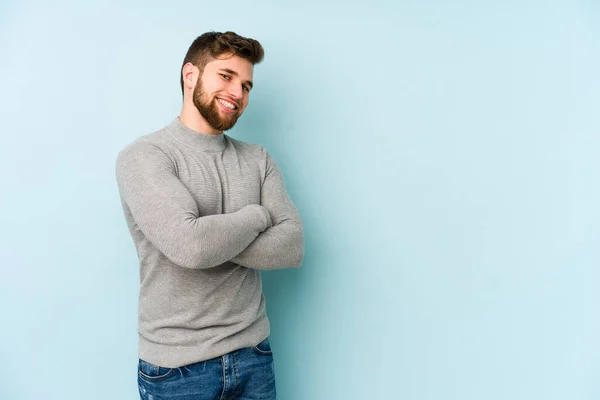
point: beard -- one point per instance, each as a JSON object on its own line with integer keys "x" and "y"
{"x": 209, "y": 109}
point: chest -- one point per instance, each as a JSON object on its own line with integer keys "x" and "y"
{"x": 221, "y": 183}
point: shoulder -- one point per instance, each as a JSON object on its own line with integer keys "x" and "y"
{"x": 152, "y": 147}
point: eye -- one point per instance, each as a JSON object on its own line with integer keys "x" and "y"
{"x": 225, "y": 76}
{"x": 246, "y": 88}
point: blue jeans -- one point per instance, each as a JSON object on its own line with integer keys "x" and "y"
{"x": 244, "y": 374}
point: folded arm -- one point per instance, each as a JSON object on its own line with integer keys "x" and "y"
{"x": 168, "y": 215}
{"x": 282, "y": 245}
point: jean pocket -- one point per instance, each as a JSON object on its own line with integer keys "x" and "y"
{"x": 153, "y": 373}
{"x": 263, "y": 348}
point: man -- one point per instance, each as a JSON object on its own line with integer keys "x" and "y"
{"x": 207, "y": 212}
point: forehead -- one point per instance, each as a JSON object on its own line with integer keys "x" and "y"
{"x": 241, "y": 66}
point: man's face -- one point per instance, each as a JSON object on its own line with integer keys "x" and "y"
{"x": 221, "y": 93}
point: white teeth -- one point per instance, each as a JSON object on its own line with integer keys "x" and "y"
{"x": 227, "y": 104}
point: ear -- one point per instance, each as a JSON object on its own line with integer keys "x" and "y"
{"x": 190, "y": 74}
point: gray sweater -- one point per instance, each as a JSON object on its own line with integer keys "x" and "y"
{"x": 206, "y": 213}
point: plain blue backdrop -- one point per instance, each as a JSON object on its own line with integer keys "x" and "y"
{"x": 444, "y": 157}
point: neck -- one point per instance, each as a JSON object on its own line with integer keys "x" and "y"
{"x": 191, "y": 118}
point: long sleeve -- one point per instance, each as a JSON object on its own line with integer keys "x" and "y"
{"x": 282, "y": 245}
{"x": 168, "y": 216}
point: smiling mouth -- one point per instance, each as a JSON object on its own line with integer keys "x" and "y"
{"x": 229, "y": 106}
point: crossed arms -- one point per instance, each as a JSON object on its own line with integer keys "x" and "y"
{"x": 259, "y": 236}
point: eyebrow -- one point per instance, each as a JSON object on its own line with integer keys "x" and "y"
{"x": 232, "y": 72}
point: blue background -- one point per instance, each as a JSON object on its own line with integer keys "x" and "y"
{"x": 444, "y": 157}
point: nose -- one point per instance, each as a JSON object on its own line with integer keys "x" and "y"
{"x": 235, "y": 91}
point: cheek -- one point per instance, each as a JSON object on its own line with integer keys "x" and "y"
{"x": 211, "y": 88}
{"x": 245, "y": 103}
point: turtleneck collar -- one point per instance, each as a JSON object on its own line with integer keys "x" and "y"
{"x": 198, "y": 140}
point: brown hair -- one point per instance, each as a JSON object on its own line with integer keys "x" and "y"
{"x": 211, "y": 45}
